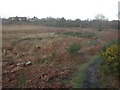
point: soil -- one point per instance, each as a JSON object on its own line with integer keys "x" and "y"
{"x": 92, "y": 80}
{"x": 51, "y": 63}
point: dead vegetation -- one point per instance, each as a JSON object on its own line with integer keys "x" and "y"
{"x": 50, "y": 64}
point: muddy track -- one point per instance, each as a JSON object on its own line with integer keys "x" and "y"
{"x": 92, "y": 80}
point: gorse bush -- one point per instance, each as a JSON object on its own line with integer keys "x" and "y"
{"x": 111, "y": 60}
{"x": 74, "y": 48}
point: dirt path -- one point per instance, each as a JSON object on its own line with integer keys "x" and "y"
{"x": 92, "y": 80}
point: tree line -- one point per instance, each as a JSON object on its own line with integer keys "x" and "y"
{"x": 99, "y": 22}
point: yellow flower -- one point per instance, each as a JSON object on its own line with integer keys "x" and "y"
{"x": 111, "y": 57}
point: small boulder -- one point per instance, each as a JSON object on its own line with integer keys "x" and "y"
{"x": 29, "y": 63}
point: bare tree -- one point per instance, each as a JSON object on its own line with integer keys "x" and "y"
{"x": 100, "y": 17}
{"x": 100, "y": 20}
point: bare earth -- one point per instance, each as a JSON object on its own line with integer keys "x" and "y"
{"x": 51, "y": 65}
{"x": 92, "y": 80}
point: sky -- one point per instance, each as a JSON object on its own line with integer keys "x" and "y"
{"x": 69, "y": 9}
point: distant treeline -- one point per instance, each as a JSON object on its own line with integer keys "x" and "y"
{"x": 62, "y": 22}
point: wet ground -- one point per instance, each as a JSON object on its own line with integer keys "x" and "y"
{"x": 92, "y": 80}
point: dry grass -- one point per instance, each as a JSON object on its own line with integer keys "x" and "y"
{"x": 21, "y": 42}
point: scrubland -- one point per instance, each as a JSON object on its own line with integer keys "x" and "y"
{"x": 48, "y": 57}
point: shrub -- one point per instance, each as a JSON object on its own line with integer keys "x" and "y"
{"x": 40, "y": 61}
{"x": 111, "y": 60}
{"x": 26, "y": 39}
{"x": 93, "y": 42}
{"x": 100, "y": 30}
{"x": 74, "y": 48}
{"x": 37, "y": 47}
{"x": 109, "y": 44}
{"x": 79, "y": 34}
{"x": 87, "y": 35}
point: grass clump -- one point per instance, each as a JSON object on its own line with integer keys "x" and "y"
{"x": 109, "y": 44}
{"x": 79, "y": 34}
{"x": 74, "y": 48}
{"x": 93, "y": 42}
{"x": 37, "y": 47}
{"x": 26, "y": 39}
{"x": 41, "y": 61}
{"x": 22, "y": 81}
{"x": 39, "y": 38}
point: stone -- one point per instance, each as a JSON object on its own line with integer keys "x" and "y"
{"x": 29, "y": 63}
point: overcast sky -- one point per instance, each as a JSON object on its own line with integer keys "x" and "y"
{"x": 70, "y": 9}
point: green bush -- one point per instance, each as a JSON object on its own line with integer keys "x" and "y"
{"x": 93, "y": 42}
{"x": 108, "y": 45}
{"x": 37, "y": 47}
{"x": 26, "y": 39}
{"x": 39, "y": 38}
{"x": 74, "y": 48}
{"x": 79, "y": 34}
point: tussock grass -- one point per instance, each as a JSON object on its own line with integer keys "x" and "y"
{"x": 93, "y": 43}
{"x": 108, "y": 44}
{"x": 22, "y": 81}
{"x": 79, "y": 34}
{"x": 74, "y": 48}
{"x": 24, "y": 39}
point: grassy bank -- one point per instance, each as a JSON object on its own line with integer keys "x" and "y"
{"x": 81, "y": 76}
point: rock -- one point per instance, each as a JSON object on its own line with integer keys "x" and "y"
{"x": 18, "y": 64}
{"x": 24, "y": 63}
{"x": 16, "y": 69}
{"x": 94, "y": 37}
{"x": 29, "y": 63}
